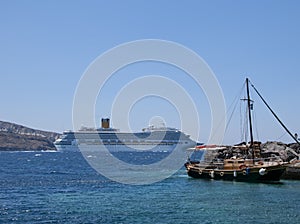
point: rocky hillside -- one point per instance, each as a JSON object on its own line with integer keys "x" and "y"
{"x": 14, "y": 137}
{"x": 286, "y": 152}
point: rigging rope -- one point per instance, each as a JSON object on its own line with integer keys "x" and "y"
{"x": 246, "y": 126}
{"x": 231, "y": 115}
{"x": 256, "y": 126}
{"x": 243, "y": 117}
{"x": 281, "y": 136}
{"x": 277, "y": 118}
{"x": 234, "y": 103}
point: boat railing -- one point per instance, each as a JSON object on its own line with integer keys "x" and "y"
{"x": 207, "y": 165}
{"x": 219, "y": 163}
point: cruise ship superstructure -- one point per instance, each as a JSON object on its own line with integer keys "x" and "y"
{"x": 152, "y": 138}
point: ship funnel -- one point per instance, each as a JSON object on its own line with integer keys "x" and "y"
{"x": 105, "y": 123}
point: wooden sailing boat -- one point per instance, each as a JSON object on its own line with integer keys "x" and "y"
{"x": 255, "y": 169}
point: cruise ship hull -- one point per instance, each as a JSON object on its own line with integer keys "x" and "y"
{"x": 151, "y": 139}
{"x": 119, "y": 148}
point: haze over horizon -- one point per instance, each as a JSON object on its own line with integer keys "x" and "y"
{"x": 46, "y": 46}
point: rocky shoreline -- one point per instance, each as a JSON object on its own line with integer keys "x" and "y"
{"x": 14, "y": 137}
{"x": 288, "y": 153}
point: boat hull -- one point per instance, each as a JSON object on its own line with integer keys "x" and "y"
{"x": 252, "y": 175}
{"x": 122, "y": 148}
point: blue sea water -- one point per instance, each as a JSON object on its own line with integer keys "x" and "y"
{"x": 53, "y": 187}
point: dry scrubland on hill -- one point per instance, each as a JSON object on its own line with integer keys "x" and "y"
{"x": 14, "y": 137}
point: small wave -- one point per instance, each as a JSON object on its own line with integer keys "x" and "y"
{"x": 182, "y": 176}
{"x": 28, "y": 151}
{"x": 20, "y": 151}
{"x": 58, "y": 172}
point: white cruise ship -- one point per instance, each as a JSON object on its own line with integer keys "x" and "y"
{"x": 162, "y": 139}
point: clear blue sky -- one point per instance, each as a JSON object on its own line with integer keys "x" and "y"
{"x": 45, "y": 46}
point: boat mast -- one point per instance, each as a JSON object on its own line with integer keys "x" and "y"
{"x": 249, "y": 114}
{"x": 250, "y": 119}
